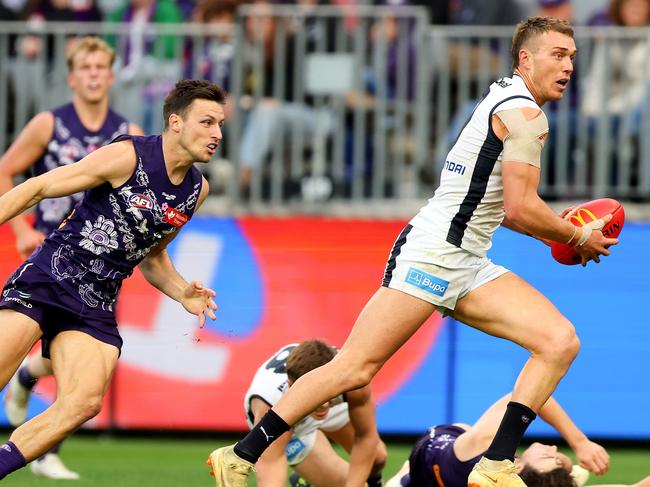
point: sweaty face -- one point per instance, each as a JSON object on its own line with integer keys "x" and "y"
{"x": 201, "y": 130}
{"x": 551, "y": 64}
{"x": 91, "y": 77}
{"x": 545, "y": 458}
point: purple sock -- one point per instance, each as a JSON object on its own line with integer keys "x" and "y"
{"x": 55, "y": 449}
{"x": 25, "y": 378}
{"x": 10, "y": 459}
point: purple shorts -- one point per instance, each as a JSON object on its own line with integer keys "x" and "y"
{"x": 37, "y": 294}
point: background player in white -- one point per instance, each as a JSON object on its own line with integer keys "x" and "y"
{"x": 52, "y": 139}
{"x": 439, "y": 263}
{"x": 348, "y": 420}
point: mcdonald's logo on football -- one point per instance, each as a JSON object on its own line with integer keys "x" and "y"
{"x": 580, "y": 217}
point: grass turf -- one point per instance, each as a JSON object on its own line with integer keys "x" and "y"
{"x": 149, "y": 462}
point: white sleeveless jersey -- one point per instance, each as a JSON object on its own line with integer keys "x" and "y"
{"x": 467, "y": 207}
{"x": 270, "y": 382}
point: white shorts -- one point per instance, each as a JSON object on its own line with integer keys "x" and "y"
{"x": 303, "y": 438}
{"x": 437, "y": 272}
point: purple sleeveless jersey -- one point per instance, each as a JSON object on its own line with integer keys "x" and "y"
{"x": 433, "y": 462}
{"x": 70, "y": 142}
{"x": 72, "y": 280}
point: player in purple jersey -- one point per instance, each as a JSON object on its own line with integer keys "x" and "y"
{"x": 446, "y": 454}
{"x": 52, "y": 139}
{"x": 140, "y": 191}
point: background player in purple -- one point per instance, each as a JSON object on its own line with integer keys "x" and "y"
{"x": 446, "y": 454}
{"x": 52, "y": 139}
{"x": 140, "y": 191}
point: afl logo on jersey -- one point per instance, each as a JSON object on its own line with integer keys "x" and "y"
{"x": 140, "y": 201}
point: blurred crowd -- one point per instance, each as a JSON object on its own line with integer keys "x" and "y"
{"x": 147, "y": 65}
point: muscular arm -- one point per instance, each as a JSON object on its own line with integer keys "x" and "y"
{"x": 158, "y": 269}
{"x": 366, "y": 440}
{"x": 28, "y": 147}
{"x": 271, "y": 470}
{"x": 527, "y": 213}
{"x": 112, "y": 164}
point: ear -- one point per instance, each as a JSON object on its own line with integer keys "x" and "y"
{"x": 175, "y": 123}
{"x": 524, "y": 57}
{"x": 519, "y": 466}
{"x": 70, "y": 80}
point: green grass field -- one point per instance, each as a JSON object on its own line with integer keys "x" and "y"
{"x": 154, "y": 462}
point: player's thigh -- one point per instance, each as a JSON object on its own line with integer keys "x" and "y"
{"x": 19, "y": 333}
{"x": 82, "y": 364}
{"x": 509, "y": 307}
{"x": 323, "y": 467}
{"x": 387, "y": 321}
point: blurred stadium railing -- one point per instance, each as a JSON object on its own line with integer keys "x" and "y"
{"x": 339, "y": 108}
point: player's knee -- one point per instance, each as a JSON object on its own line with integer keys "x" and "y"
{"x": 83, "y": 408}
{"x": 562, "y": 344}
{"x": 380, "y": 458}
{"x": 355, "y": 371}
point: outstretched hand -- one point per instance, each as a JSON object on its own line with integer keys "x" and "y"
{"x": 592, "y": 456}
{"x": 197, "y": 300}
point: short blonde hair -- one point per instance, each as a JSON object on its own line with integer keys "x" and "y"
{"x": 89, "y": 44}
{"x": 533, "y": 27}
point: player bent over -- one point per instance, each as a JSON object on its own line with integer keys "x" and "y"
{"x": 140, "y": 191}
{"x": 439, "y": 263}
{"x": 348, "y": 419}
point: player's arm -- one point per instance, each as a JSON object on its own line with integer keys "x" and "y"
{"x": 135, "y": 129}
{"x": 271, "y": 470}
{"x": 478, "y": 437}
{"x": 641, "y": 483}
{"x": 112, "y": 164}
{"x": 590, "y": 455}
{"x": 158, "y": 269}
{"x": 522, "y": 131}
{"x": 28, "y": 147}
{"x": 366, "y": 439}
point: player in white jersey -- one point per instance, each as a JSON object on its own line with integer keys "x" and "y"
{"x": 348, "y": 419}
{"x": 438, "y": 263}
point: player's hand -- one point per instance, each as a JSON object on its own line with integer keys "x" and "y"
{"x": 592, "y": 456}
{"x": 597, "y": 244}
{"x": 565, "y": 212}
{"x": 27, "y": 241}
{"x": 197, "y": 300}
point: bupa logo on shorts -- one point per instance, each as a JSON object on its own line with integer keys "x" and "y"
{"x": 140, "y": 201}
{"x": 293, "y": 449}
{"x": 429, "y": 283}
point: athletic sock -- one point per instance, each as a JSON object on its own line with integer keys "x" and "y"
{"x": 55, "y": 449}
{"x": 10, "y": 459}
{"x": 512, "y": 428}
{"x": 374, "y": 480}
{"x": 25, "y": 378}
{"x": 269, "y": 429}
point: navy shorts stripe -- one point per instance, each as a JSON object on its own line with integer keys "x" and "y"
{"x": 397, "y": 248}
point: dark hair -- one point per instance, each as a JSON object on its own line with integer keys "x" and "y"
{"x": 185, "y": 92}
{"x": 211, "y": 9}
{"x": 615, "y": 8}
{"x": 533, "y": 27}
{"x": 558, "y": 477}
{"x": 308, "y": 356}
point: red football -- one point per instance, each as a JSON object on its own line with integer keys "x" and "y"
{"x": 585, "y": 213}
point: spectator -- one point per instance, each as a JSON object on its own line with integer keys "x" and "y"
{"x": 617, "y": 83}
{"x": 147, "y": 65}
